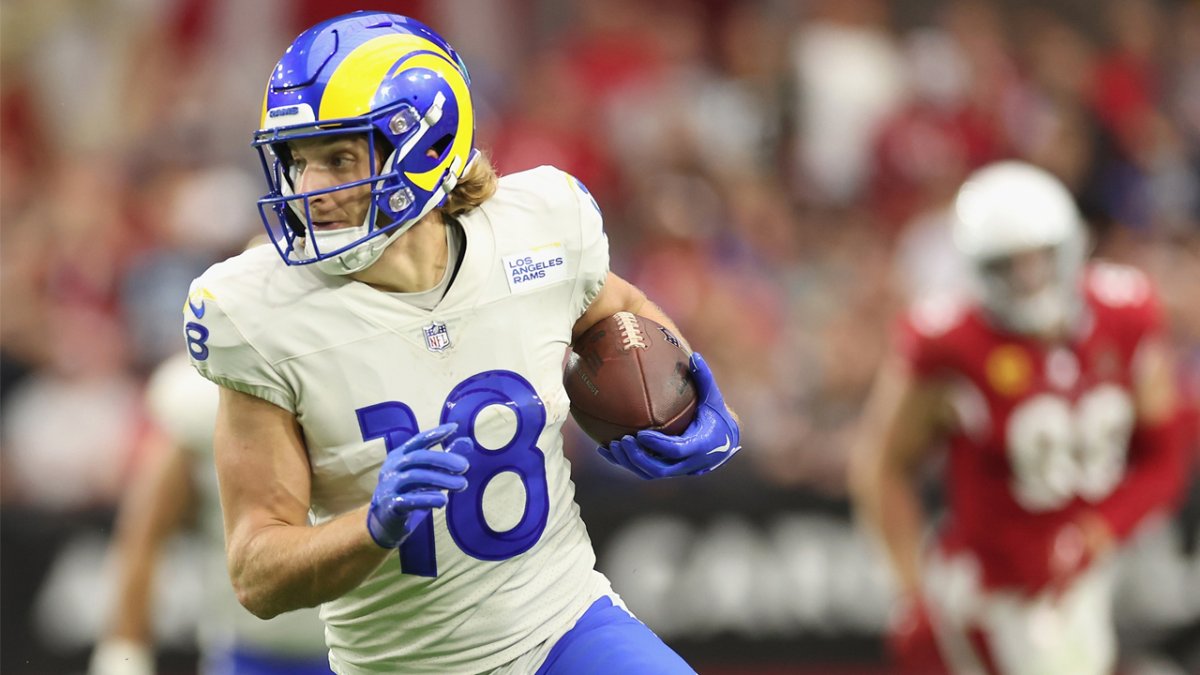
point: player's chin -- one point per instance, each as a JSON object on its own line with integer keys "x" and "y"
{"x": 330, "y": 226}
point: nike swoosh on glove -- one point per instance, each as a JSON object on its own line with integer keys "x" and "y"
{"x": 413, "y": 480}
{"x": 710, "y": 440}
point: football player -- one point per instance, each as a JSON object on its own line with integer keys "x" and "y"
{"x": 393, "y": 368}
{"x": 1052, "y": 389}
{"x": 172, "y": 486}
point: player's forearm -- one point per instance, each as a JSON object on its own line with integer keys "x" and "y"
{"x": 647, "y": 308}
{"x": 1154, "y": 478}
{"x": 278, "y": 568}
{"x": 890, "y": 506}
{"x": 897, "y": 428}
{"x": 136, "y": 550}
{"x": 1157, "y": 463}
{"x": 153, "y": 508}
{"x": 131, "y": 612}
{"x": 902, "y": 522}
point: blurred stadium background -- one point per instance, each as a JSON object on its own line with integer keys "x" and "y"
{"x": 774, "y": 172}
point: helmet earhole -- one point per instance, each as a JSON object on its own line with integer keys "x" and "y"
{"x": 439, "y": 148}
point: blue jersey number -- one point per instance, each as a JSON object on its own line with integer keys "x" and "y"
{"x": 196, "y": 335}
{"x": 395, "y": 422}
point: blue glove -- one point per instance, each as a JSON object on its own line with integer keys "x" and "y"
{"x": 413, "y": 480}
{"x": 708, "y": 442}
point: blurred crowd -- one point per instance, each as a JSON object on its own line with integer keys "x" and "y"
{"x": 775, "y": 173}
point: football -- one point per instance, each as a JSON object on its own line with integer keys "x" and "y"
{"x": 626, "y": 374}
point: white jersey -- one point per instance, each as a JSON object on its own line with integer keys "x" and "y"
{"x": 508, "y": 562}
{"x": 184, "y": 406}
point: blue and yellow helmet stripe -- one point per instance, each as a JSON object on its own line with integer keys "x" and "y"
{"x": 348, "y": 86}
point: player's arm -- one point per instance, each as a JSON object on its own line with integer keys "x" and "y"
{"x": 902, "y": 417}
{"x": 713, "y": 437}
{"x": 1156, "y": 458}
{"x": 618, "y": 295}
{"x": 277, "y": 561}
{"x": 152, "y": 509}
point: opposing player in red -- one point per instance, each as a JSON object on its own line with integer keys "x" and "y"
{"x": 1051, "y": 390}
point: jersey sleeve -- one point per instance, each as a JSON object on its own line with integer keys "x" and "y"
{"x": 928, "y": 336}
{"x": 593, "y": 249}
{"x": 183, "y": 405}
{"x": 912, "y": 348}
{"x": 1156, "y": 456}
{"x": 221, "y": 353}
{"x": 1129, "y": 295}
{"x": 1150, "y": 319}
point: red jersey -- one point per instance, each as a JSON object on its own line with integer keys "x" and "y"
{"x": 1044, "y": 429}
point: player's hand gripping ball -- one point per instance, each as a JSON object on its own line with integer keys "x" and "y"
{"x": 627, "y": 374}
{"x": 413, "y": 480}
{"x": 658, "y": 412}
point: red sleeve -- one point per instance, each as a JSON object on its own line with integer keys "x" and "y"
{"x": 923, "y": 336}
{"x": 1148, "y": 318}
{"x": 911, "y": 346}
{"x": 1128, "y": 299}
{"x": 1154, "y": 476}
{"x": 1157, "y": 462}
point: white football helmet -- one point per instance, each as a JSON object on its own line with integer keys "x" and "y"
{"x": 1011, "y": 208}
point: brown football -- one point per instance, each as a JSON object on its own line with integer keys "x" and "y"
{"x": 628, "y": 373}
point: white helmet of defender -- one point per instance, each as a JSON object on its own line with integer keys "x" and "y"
{"x": 1004, "y": 211}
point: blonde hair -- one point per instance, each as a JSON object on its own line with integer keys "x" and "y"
{"x": 475, "y": 187}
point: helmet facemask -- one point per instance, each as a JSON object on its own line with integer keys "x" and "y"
{"x": 392, "y": 207}
{"x": 1032, "y": 292}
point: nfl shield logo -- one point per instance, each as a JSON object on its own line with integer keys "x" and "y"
{"x": 437, "y": 338}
